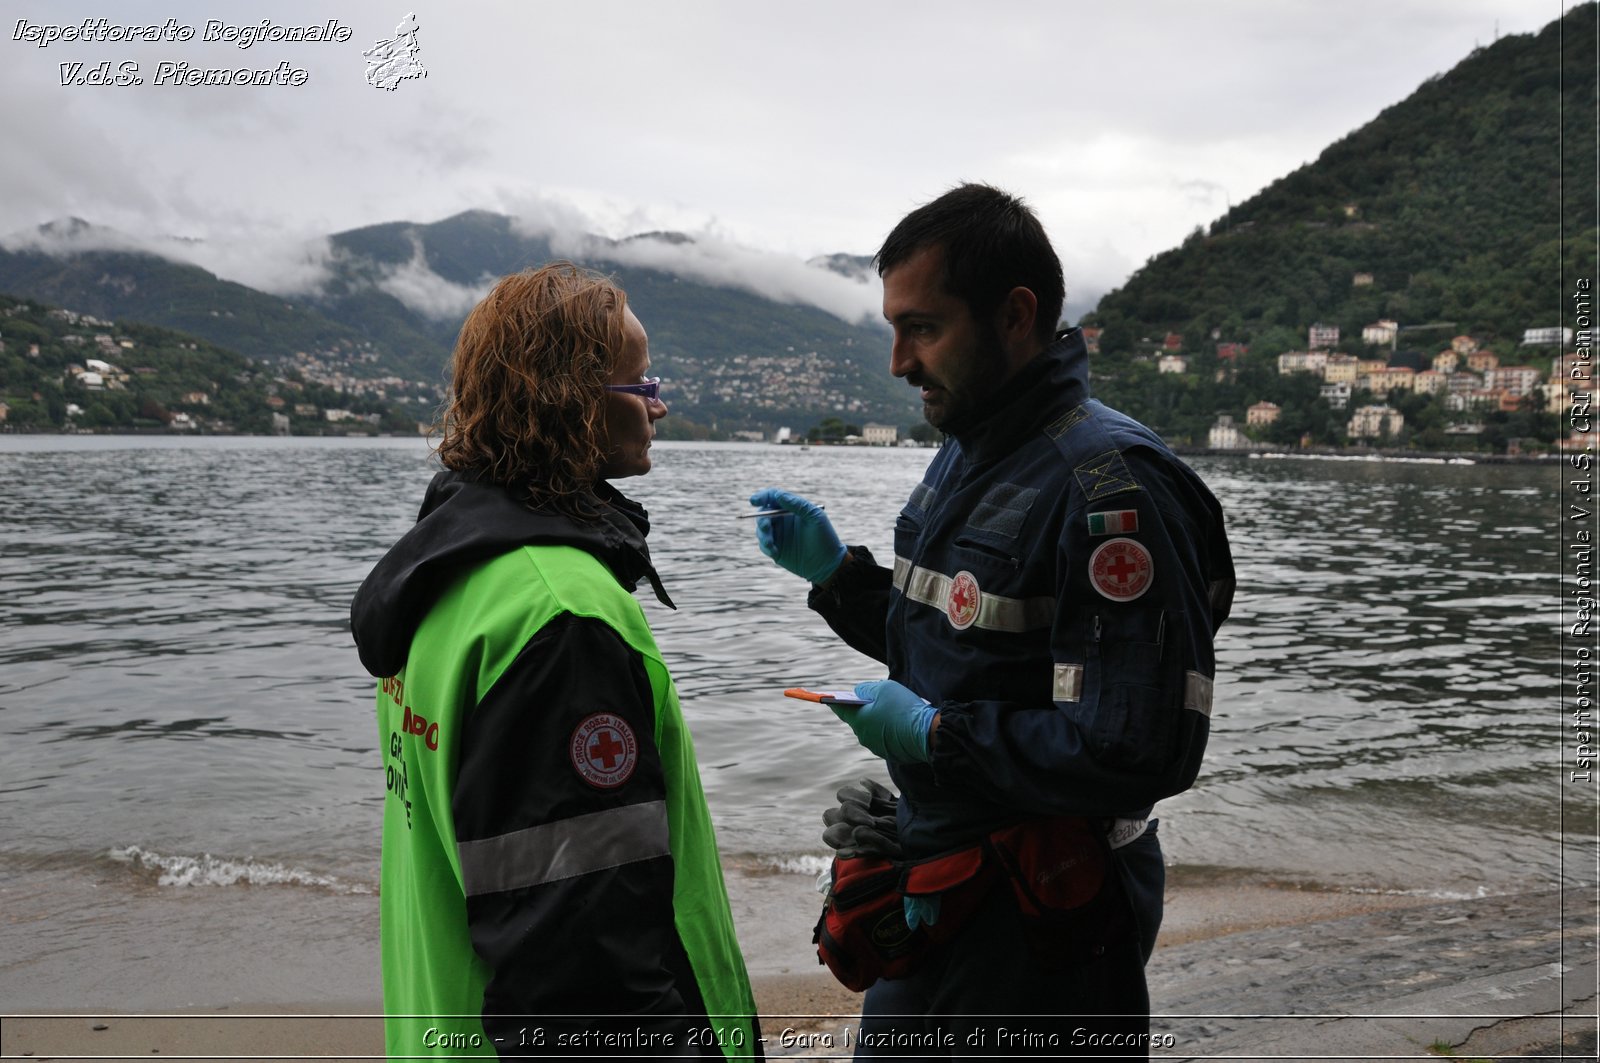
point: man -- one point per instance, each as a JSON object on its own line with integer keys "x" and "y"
{"x": 1048, "y": 621}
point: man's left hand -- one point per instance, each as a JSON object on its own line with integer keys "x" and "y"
{"x": 894, "y": 723}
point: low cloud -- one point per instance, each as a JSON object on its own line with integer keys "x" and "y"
{"x": 279, "y": 265}
{"x": 425, "y": 292}
{"x": 1202, "y": 193}
{"x": 704, "y": 256}
{"x": 715, "y": 261}
{"x": 71, "y": 236}
{"x": 293, "y": 266}
{"x": 282, "y": 266}
{"x": 546, "y": 216}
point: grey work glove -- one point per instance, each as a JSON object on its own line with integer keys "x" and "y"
{"x": 864, "y": 822}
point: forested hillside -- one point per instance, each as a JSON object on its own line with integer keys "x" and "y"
{"x": 1457, "y": 211}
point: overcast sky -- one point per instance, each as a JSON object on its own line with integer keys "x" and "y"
{"x": 772, "y": 132}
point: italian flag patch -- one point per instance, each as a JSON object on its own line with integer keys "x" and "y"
{"x": 1114, "y": 522}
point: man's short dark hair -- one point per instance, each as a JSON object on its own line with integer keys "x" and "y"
{"x": 992, "y": 243}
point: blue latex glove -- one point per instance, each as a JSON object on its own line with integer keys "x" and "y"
{"x": 894, "y": 723}
{"x": 803, "y": 542}
{"x": 921, "y": 910}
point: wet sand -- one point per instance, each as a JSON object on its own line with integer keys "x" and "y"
{"x": 792, "y": 991}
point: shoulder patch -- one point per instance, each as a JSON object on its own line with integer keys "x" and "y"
{"x": 1105, "y": 475}
{"x": 604, "y": 751}
{"x": 1121, "y": 569}
{"x": 1067, "y": 422}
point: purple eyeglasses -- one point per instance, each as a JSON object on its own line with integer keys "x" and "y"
{"x": 649, "y": 389}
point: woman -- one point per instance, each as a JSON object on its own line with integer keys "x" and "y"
{"x": 550, "y": 877}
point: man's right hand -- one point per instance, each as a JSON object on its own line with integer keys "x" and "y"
{"x": 802, "y": 540}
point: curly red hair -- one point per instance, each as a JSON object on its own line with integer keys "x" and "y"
{"x": 528, "y": 384}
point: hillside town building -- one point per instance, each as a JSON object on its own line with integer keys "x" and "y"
{"x": 1262, "y": 414}
{"x": 1519, "y": 380}
{"x": 1323, "y": 336}
{"x": 1341, "y": 368}
{"x": 1430, "y": 382}
{"x": 1302, "y": 362}
{"x": 1546, "y": 337}
{"x": 1380, "y": 333}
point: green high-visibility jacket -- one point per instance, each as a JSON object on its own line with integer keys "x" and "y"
{"x": 550, "y": 878}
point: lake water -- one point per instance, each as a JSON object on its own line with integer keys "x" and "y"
{"x": 190, "y": 740}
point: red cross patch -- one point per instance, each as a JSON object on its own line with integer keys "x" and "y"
{"x": 962, "y": 607}
{"x": 1121, "y": 569}
{"x": 604, "y": 751}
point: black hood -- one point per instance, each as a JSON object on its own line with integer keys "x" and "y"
{"x": 464, "y": 522}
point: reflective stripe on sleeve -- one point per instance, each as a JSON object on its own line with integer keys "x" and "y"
{"x": 1068, "y": 682}
{"x": 1197, "y": 693}
{"x": 995, "y": 612}
{"x": 564, "y": 849}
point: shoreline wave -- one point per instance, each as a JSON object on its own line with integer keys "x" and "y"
{"x": 183, "y": 871}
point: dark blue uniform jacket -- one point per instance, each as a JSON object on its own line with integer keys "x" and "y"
{"x": 1058, "y": 578}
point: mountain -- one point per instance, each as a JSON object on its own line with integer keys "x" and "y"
{"x": 735, "y": 359}
{"x": 1466, "y": 210}
{"x": 394, "y": 295}
{"x": 1453, "y": 204}
{"x": 137, "y": 284}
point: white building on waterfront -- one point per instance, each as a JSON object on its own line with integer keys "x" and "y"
{"x": 1225, "y": 435}
{"x": 1374, "y": 422}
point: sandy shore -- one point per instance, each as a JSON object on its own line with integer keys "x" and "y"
{"x": 792, "y": 992}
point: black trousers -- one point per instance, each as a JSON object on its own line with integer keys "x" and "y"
{"x": 990, "y": 993}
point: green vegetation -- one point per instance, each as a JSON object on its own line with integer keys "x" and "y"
{"x": 1448, "y": 200}
{"x": 831, "y": 430}
{"x": 155, "y": 379}
{"x": 678, "y": 427}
